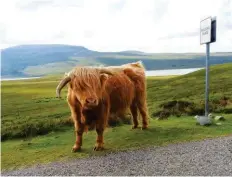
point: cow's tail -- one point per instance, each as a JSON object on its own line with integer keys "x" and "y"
{"x": 62, "y": 83}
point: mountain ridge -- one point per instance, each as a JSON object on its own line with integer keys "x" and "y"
{"x": 42, "y": 59}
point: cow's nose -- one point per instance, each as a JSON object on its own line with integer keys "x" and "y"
{"x": 91, "y": 100}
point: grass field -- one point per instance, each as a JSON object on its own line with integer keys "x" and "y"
{"x": 30, "y": 108}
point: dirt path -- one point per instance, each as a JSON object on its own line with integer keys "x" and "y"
{"x": 208, "y": 157}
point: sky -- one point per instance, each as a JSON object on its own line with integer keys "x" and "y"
{"x": 154, "y": 26}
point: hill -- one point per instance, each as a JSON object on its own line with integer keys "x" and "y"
{"x": 40, "y": 60}
{"x": 16, "y": 59}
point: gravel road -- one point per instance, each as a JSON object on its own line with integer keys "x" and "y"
{"x": 208, "y": 157}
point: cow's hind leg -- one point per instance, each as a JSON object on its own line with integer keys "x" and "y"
{"x": 143, "y": 111}
{"x": 134, "y": 112}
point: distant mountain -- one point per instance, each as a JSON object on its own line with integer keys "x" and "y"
{"x": 38, "y": 60}
{"x": 15, "y": 59}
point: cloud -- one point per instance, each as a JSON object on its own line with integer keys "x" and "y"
{"x": 117, "y": 5}
{"x": 229, "y": 26}
{"x": 33, "y": 5}
{"x": 2, "y": 33}
{"x": 115, "y": 25}
{"x": 180, "y": 35}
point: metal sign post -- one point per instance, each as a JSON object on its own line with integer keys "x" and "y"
{"x": 207, "y": 36}
{"x": 207, "y": 80}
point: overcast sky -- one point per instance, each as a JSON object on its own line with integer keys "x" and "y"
{"x": 115, "y": 25}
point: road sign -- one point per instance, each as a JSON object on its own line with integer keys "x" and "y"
{"x": 205, "y": 30}
{"x": 213, "y": 29}
{"x": 207, "y": 36}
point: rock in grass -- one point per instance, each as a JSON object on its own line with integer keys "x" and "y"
{"x": 203, "y": 120}
{"x": 211, "y": 116}
{"x": 219, "y": 118}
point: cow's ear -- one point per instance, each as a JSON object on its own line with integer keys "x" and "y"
{"x": 103, "y": 78}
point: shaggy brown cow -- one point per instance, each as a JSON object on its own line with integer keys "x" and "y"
{"x": 95, "y": 93}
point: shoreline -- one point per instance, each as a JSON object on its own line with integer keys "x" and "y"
{"x": 171, "y": 72}
{"x": 164, "y": 72}
{"x": 18, "y": 78}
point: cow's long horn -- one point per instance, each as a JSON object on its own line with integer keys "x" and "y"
{"x": 62, "y": 83}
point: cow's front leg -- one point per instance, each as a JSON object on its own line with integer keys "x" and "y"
{"x": 99, "y": 142}
{"x": 101, "y": 124}
{"x": 79, "y": 129}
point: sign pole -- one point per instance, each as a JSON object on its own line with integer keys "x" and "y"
{"x": 207, "y": 80}
{"x": 207, "y": 36}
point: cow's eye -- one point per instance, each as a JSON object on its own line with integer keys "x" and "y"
{"x": 80, "y": 87}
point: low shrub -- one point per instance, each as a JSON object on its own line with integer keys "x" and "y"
{"x": 178, "y": 108}
{"x": 26, "y": 130}
{"x": 42, "y": 127}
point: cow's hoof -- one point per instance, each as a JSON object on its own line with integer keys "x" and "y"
{"x": 135, "y": 127}
{"x": 98, "y": 148}
{"x": 76, "y": 148}
{"x": 144, "y": 127}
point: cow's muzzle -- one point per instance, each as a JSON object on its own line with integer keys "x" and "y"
{"x": 91, "y": 102}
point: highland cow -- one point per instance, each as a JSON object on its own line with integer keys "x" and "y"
{"x": 95, "y": 93}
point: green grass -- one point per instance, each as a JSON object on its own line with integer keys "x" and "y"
{"x": 191, "y": 87}
{"x": 57, "y": 146}
{"x": 30, "y": 108}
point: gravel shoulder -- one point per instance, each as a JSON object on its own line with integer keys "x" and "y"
{"x": 203, "y": 158}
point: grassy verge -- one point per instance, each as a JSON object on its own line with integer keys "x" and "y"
{"x": 57, "y": 146}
